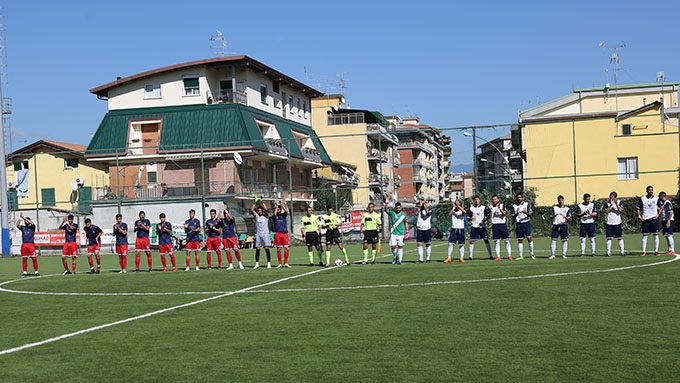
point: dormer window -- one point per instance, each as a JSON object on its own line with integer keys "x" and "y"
{"x": 307, "y": 147}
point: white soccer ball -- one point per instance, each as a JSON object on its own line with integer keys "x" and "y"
{"x": 338, "y": 262}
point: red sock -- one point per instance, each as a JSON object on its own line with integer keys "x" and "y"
{"x": 35, "y": 263}
{"x": 73, "y": 264}
{"x": 89, "y": 260}
{"x": 219, "y": 258}
{"x": 209, "y": 259}
{"x": 197, "y": 258}
{"x": 278, "y": 254}
{"x": 99, "y": 261}
{"x": 285, "y": 255}
{"x": 238, "y": 255}
{"x": 165, "y": 265}
{"x": 149, "y": 259}
{"x": 172, "y": 259}
{"x": 124, "y": 261}
{"x": 24, "y": 263}
{"x": 137, "y": 261}
{"x": 228, "y": 256}
{"x": 188, "y": 260}
{"x": 63, "y": 262}
{"x": 120, "y": 261}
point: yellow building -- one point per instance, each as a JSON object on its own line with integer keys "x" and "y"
{"x": 55, "y": 173}
{"x": 362, "y": 139}
{"x": 599, "y": 140}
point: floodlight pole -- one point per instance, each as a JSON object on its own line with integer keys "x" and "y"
{"x": 4, "y": 201}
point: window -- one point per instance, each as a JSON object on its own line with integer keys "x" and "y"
{"x": 70, "y": 163}
{"x": 47, "y": 196}
{"x": 628, "y": 168}
{"x": 275, "y": 87}
{"x": 298, "y": 106}
{"x": 152, "y": 91}
{"x": 263, "y": 94}
{"x": 20, "y": 165}
{"x": 151, "y": 177}
{"x": 191, "y": 86}
{"x": 304, "y": 108}
{"x": 625, "y": 129}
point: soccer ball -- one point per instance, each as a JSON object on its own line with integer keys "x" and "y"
{"x": 338, "y": 262}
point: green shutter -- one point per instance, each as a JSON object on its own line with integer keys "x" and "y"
{"x": 47, "y": 196}
{"x": 13, "y": 200}
{"x": 191, "y": 82}
{"x": 85, "y": 199}
{"x": 17, "y": 166}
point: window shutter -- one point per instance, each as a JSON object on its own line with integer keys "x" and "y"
{"x": 191, "y": 82}
{"x": 48, "y": 197}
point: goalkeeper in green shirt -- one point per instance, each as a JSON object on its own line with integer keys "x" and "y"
{"x": 332, "y": 222}
{"x": 370, "y": 226}
{"x": 310, "y": 232}
{"x": 398, "y": 229}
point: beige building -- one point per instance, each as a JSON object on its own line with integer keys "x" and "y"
{"x": 363, "y": 139}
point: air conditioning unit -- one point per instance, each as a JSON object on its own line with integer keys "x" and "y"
{"x": 11, "y": 185}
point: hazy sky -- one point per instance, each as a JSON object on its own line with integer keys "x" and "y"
{"x": 451, "y": 64}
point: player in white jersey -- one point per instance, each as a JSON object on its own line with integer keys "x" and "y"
{"x": 613, "y": 229}
{"x": 587, "y": 215}
{"x": 561, "y": 215}
{"x": 457, "y": 234}
{"x": 424, "y": 231}
{"x": 648, "y": 210}
{"x": 499, "y": 227}
{"x": 478, "y": 214}
{"x": 667, "y": 222}
{"x": 523, "y": 211}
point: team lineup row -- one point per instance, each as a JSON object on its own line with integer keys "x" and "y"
{"x": 220, "y": 232}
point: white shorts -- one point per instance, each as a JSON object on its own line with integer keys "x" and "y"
{"x": 397, "y": 240}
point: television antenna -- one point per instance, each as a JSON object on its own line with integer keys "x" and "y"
{"x": 218, "y": 44}
{"x": 615, "y": 63}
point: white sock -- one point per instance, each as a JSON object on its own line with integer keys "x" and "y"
{"x": 671, "y": 243}
{"x": 553, "y": 245}
{"x": 583, "y": 245}
{"x": 621, "y": 246}
{"x": 508, "y": 247}
{"x": 400, "y": 252}
{"x": 565, "y": 246}
{"x": 450, "y": 250}
{"x": 472, "y": 249}
{"x": 429, "y": 252}
{"x": 592, "y": 245}
{"x": 644, "y": 243}
{"x": 531, "y": 247}
{"x": 520, "y": 248}
{"x": 420, "y": 253}
{"x": 394, "y": 254}
{"x": 461, "y": 251}
{"x": 609, "y": 246}
{"x": 497, "y": 244}
{"x": 656, "y": 243}
{"x": 488, "y": 247}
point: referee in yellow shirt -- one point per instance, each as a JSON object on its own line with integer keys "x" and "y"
{"x": 370, "y": 226}
{"x": 310, "y": 232}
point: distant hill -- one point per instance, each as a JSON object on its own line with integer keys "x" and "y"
{"x": 461, "y": 168}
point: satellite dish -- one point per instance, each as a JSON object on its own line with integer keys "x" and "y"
{"x": 80, "y": 181}
{"x": 237, "y": 158}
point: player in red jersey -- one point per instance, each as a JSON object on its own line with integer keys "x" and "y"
{"x": 27, "y": 228}
{"x": 94, "y": 244}
{"x": 165, "y": 237}
{"x": 70, "y": 249}
{"x": 229, "y": 239}
{"x": 142, "y": 243}
{"x": 120, "y": 230}
{"x": 213, "y": 230}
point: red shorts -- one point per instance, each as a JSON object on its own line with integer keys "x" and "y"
{"x": 121, "y": 249}
{"x": 213, "y": 243}
{"x": 195, "y": 245}
{"x": 165, "y": 249}
{"x": 230, "y": 243}
{"x": 280, "y": 239}
{"x": 91, "y": 249}
{"x": 28, "y": 250}
{"x": 70, "y": 248}
{"x": 142, "y": 244}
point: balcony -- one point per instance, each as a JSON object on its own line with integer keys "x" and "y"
{"x": 424, "y": 164}
{"x": 416, "y": 145}
{"x": 375, "y": 180}
{"x": 376, "y": 155}
{"x": 276, "y": 146}
{"x": 417, "y": 178}
{"x": 311, "y": 154}
{"x": 226, "y": 97}
{"x": 378, "y": 131}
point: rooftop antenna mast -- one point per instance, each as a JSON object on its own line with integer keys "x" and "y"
{"x": 218, "y": 44}
{"x": 615, "y": 63}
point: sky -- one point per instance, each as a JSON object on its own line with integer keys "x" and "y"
{"x": 451, "y": 64}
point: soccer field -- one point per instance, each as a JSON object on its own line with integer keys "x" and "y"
{"x": 589, "y": 319}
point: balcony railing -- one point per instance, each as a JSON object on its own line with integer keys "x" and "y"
{"x": 416, "y": 145}
{"x": 375, "y": 179}
{"x": 227, "y": 97}
{"x": 376, "y": 155}
{"x": 425, "y": 164}
{"x": 311, "y": 154}
{"x": 377, "y": 129}
{"x": 276, "y": 146}
{"x": 418, "y": 178}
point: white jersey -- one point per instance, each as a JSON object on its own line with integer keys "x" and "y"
{"x": 458, "y": 220}
{"x": 614, "y": 216}
{"x": 560, "y": 215}
{"x": 649, "y": 207}
{"x": 497, "y": 216}
{"x": 424, "y": 220}
{"x": 585, "y": 211}
{"x": 477, "y": 215}
{"x": 522, "y": 212}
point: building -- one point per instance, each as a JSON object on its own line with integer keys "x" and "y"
{"x": 460, "y": 185}
{"x": 220, "y": 129}
{"x": 424, "y": 156}
{"x": 363, "y": 139}
{"x": 498, "y": 167}
{"x": 54, "y": 175}
{"x": 596, "y": 140}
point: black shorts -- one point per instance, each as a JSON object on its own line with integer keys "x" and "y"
{"x": 333, "y": 237}
{"x": 370, "y": 236}
{"x": 312, "y": 239}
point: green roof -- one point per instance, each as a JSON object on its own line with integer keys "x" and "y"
{"x": 199, "y": 127}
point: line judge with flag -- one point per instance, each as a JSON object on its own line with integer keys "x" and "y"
{"x": 398, "y": 229}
